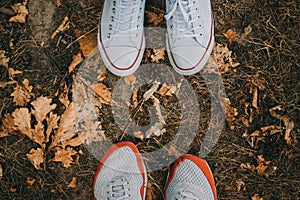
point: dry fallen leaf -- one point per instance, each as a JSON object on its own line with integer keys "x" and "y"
{"x": 73, "y": 183}
{"x": 240, "y": 184}
{"x": 22, "y": 12}
{"x": 7, "y": 125}
{"x": 3, "y": 59}
{"x": 30, "y": 181}
{"x": 154, "y": 18}
{"x": 22, "y": 94}
{"x": 22, "y": 119}
{"x": 264, "y": 167}
{"x": 65, "y": 129}
{"x": 247, "y": 166}
{"x": 103, "y": 92}
{"x": 92, "y": 133}
{"x": 88, "y": 43}
{"x": 157, "y": 129}
{"x": 139, "y": 134}
{"x": 42, "y": 106}
{"x": 159, "y": 54}
{"x": 77, "y": 59}
{"x": 65, "y": 156}
{"x": 36, "y": 157}
{"x": 223, "y": 59}
{"x": 156, "y": 103}
{"x": 61, "y": 28}
{"x": 168, "y": 90}
{"x": 231, "y": 35}
{"x": 1, "y": 172}
{"x": 52, "y": 125}
{"x": 149, "y": 93}
{"x": 288, "y": 123}
{"x": 230, "y": 112}
{"x": 102, "y": 73}
{"x": 130, "y": 80}
{"x": 256, "y": 197}
{"x": 244, "y": 35}
{"x": 58, "y": 3}
{"x": 12, "y": 73}
{"x": 174, "y": 151}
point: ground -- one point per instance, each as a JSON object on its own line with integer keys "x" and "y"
{"x": 257, "y": 155}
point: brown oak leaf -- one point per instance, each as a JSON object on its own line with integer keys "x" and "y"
{"x": 36, "y": 157}
{"x": 22, "y": 94}
{"x": 65, "y": 156}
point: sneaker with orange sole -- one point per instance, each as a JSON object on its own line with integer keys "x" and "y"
{"x": 121, "y": 174}
{"x": 190, "y": 179}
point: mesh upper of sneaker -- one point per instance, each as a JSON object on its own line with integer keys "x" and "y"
{"x": 189, "y": 182}
{"x": 119, "y": 175}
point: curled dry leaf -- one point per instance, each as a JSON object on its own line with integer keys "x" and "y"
{"x": 159, "y": 54}
{"x": 22, "y": 94}
{"x": 65, "y": 156}
{"x": 73, "y": 183}
{"x": 3, "y": 59}
{"x": 230, "y": 35}
{"x": 61, "y": 28}
{"x": 22, "y": 12}
{"x": 288, "y": 123}
{"x": 36, "y": 157}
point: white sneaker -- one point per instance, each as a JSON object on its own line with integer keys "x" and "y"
{"x": 120, "y": 38}
{"x": 190, "y": 37}
{"x": 190, "y": 179}
{"x": 121, "y": 174}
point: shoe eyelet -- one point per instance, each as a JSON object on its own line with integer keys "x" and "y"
{"x": 114, "y": 3}
{"x": 194, "y": 2}
{"x": 112, "y": 18}
{"x": 196, "y": 9}
{"x": 108, "y": 35}
{"x": 198, "y": 17}
{"x": 110, "y": 27}
{"x": 113, "y": 10}
{"x": 201, "y": 34}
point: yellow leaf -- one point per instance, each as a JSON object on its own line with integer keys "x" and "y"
{"x": 103, "y": 92}
{"x": 36, "y": 157}
{"x": 73, "y": 183}
{"x": 231, "y": 35}
{"x": 42, "y": 106}
{"x": 77, "y": 59}
{"x": 3, "y": 59}
{"x": 22, "y": 122}
{"x": 65, "y": 156}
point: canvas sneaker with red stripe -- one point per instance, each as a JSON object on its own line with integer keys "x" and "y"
{"x": 190, "y": 36}
{"x": 190, "y": 179}
{"x": 121, "y": 39}
{"x": 121, "y": 174}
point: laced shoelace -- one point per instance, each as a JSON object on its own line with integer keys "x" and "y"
{"x": 125, "y": 18}
{"x": 186, "y": 196}
{"x": 184, "y": 12}
{"x": 118, "y": 190}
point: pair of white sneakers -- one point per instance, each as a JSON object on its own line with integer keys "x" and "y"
{"x": 190, "y": 35}
{"x": 122, "y": 175}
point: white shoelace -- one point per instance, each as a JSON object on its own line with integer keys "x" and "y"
{"x": 118, "y": 190}
{"x": 184, "y": 12}
{"x": 125, "y": 18}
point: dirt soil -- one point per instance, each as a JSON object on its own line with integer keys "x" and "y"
{"x": 257, "y": 155}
